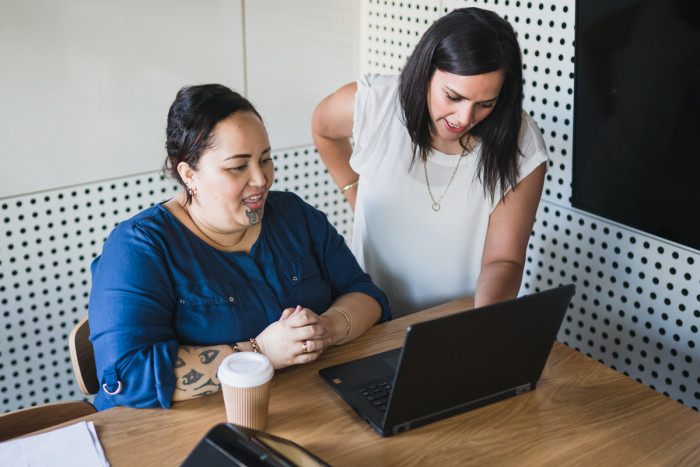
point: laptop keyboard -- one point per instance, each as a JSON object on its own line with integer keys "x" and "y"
{"x": 377, "y": 395}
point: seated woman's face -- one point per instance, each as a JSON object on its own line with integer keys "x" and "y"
{"x": 234, "y": 176}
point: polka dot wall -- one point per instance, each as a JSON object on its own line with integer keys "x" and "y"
{"x": 49, "y": 240}
{"x": 637, "y": 302}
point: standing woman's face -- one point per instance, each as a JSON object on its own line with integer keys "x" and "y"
{"x": 234, "y": 176}
{"x": 458, "y": 103}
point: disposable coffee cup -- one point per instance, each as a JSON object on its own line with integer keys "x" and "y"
{"x": 245, "y": 381}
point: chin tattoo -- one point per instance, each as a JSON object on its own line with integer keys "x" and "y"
{"x": 254, "y": 216}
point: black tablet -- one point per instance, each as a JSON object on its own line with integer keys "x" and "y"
{"x": 232, "y": 445}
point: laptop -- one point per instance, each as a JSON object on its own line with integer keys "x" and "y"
{"x": 455, "y": 363}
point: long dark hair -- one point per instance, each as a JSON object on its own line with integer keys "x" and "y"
{"x": 465, "y": 42}
{"x": 193, "y": 115}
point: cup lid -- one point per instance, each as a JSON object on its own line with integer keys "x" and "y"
{"x": 245, "y": 370}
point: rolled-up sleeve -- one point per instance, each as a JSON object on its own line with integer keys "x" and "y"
{"x": 131, "y": 321}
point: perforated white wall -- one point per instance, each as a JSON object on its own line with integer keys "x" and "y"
{"x": 637, "y": 303}
{"x": 48, "y": 242}
{"x": 637, "y": 306}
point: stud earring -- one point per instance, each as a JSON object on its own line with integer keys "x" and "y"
{"x": 192, "y": 191}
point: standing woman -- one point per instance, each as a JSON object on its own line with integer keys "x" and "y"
{"x": 447, "y": 169}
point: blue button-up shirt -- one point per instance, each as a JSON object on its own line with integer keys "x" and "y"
{"x": 157, "y": 286}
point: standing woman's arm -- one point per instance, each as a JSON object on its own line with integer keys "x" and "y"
{"x": 331, "y": 127}
{"x": 510, "y": 226}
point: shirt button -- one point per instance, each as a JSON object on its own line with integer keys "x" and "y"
{"x": 182, "y": 301}
{"x": 231, "y": 299}
{"x": 295, "y": 278}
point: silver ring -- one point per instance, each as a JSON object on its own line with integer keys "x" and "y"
{"x": 304, "y": 346}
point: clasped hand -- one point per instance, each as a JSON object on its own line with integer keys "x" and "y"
{"x": 299, "y": 336}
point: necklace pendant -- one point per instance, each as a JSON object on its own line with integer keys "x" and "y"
{"x": 436, "y": 204}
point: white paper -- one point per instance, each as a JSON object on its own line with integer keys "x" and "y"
{"x": 75, "y": 445}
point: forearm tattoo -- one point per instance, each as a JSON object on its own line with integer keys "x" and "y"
{"x": 191, "y": 370}
{"x": 191, "y": 377}
{"x": 209, "y": 387}
{"x": 208, "y": 356}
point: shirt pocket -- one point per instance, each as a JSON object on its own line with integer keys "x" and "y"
{"x": 205, "y": 294}
{"x": 301, "y": 270}
{"x": 206, "y": 312}
{"x": 308, "y": 285}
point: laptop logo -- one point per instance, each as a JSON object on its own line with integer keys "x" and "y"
{"x": 336, "y": 381}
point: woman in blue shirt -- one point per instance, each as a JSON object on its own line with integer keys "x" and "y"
{"x": 225, "y": 266}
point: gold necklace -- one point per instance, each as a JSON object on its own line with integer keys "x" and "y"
{"x": 436, "y": 204}
{"x": 216, "y": 244}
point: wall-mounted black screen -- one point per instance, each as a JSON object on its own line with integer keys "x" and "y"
{"x": 637, "y": 115}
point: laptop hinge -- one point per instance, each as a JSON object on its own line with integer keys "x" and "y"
{"x": 405, "y": 426}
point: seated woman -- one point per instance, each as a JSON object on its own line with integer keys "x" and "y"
{"x": 225, "y": 266}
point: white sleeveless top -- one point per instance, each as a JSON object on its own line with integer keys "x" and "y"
{"x": 418, "y": 257}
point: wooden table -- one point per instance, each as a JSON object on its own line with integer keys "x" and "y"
{"x": 582, "y": 413}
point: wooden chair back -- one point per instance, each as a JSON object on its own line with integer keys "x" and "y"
{"x": 83, "y": 358}
{"x": 24, "y": 421}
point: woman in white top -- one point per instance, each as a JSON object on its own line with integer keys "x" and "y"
{"x": 446, "y": 171}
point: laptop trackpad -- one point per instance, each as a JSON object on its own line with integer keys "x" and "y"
{"x": 364, "y": 370}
